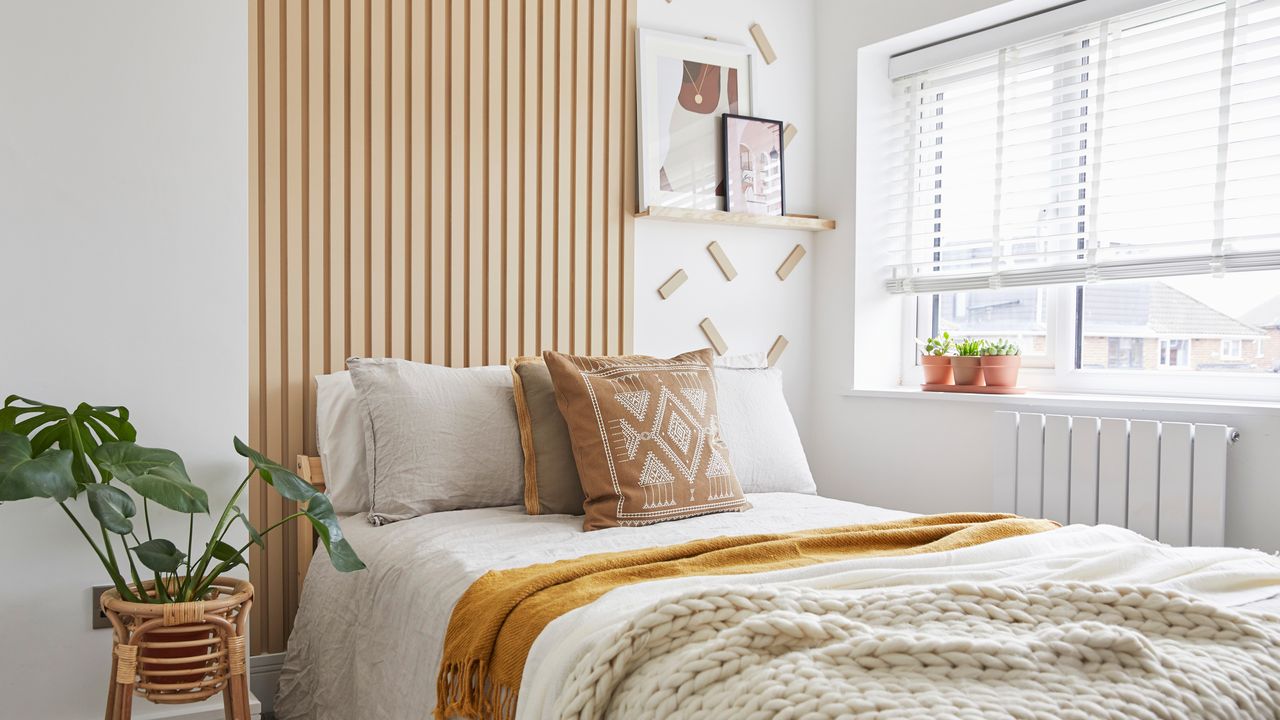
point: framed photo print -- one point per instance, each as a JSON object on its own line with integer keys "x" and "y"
{"x": 753, "y": 178}
{"x": 685, "y": 85}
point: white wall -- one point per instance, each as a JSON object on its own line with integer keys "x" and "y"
{"x": 934, "y": 454}
{"x": 756, "y": 307}
{"x": 123, "y": 217}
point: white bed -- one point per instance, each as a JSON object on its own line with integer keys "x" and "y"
{"x": 368, "y": 644}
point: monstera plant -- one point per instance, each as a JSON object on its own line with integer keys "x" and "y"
{"x": 90, "y": 454}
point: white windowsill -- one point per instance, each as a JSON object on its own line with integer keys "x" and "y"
{"x": 1078, "y": 400}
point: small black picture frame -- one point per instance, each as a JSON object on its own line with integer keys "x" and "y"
{"x": 754, "y": 178}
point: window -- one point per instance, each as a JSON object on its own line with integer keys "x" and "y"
{"x": 1126, "y": 353}
{"x": 1106, "y": 195}
{"x": 1175, "y": 353}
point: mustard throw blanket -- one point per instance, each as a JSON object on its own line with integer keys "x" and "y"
{"x": 494, "y": 624}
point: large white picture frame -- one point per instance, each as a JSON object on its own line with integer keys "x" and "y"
{"x": 685, "y": 85}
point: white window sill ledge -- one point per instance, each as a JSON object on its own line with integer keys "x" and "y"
{"x": 1079, "y": 400}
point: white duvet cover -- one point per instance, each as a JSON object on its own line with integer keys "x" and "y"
{"x": 368, "y": 644}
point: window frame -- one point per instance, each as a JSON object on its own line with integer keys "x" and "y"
{"x": 875, "y": 365}
{"x": 1060, "y": 374}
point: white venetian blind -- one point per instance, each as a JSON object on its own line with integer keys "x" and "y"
{"x": 1143, "y": 145}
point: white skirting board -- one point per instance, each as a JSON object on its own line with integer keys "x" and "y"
{"x": 264, "y": 673}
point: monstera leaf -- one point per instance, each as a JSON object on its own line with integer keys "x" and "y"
{"x": 112, "y": 506}
{"x": 25, "y": 473}
{"x": 155, "y": 474}
{"x": 318, "y": 509}
{"x": 81, "y": 431}
{"x": 159, "y": 555}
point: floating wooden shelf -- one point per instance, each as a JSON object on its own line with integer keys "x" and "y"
{"x": 786, "y": 222}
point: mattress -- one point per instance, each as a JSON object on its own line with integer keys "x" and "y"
{"x": 368, "y": 644}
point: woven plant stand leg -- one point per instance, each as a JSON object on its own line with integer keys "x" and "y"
{"x": 235, "y": 696}
{"x": 124, "y": 666}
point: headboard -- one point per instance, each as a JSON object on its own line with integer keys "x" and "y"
{"x": 414, "y": 195}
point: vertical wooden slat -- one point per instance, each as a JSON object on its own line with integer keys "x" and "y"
{"x": 273, "y": 439}
{"x": 399, "y": 260}
{"x": 1084, "y": 470}
{"x": 513, "y": 289}
{"x": 438, "y": 110}
{"x": 629, "y": 180}
{"x": 448, "y": 181}
{"x": 1030, "y": 464}
{"x": 456, "y": 37}
{"x": 1209, "y": 485}
{"x": 379, "y": 173}
{"x": 597, "y": 213}
{"x": 564, "y": 126}
{"x": 548, "y": 183}
{"x": 477, "y": 326}
{"x": 1004, "y": 461}
{"x": 1144, "y": 477}
{"x": 294, "y": 278}
{"x": 257, "y": 238}
{"x": 358, "y": 169}
{"x": 338, "y": 239}
{"x": 580, "y": 244}
{"x": 614, "y": 183}
{"x": 418, "y": 88}
{"x": 530, "y": 61}
{"x": 495, "y": 238}
{"x": 1113, "y": 472}
{"x": 1174, "y": 525}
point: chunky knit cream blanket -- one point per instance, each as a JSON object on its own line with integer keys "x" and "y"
{"x": 1058, "y": 650}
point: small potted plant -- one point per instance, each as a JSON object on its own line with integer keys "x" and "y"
{"x": 935, "y": 359}
{"x": 179, "y": 618}
{"x": 1000, "y": 362}
{"x": 967, "y": 363}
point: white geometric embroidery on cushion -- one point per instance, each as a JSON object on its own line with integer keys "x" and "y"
{"x": 679, "y": 430}
{"x": 718, "y": 473}
{"x": 627, "y": 440}
{"x": 692, "y": 389}
{"x": 635, "y": 401}
{"x": 688, "y": 458}
{"x": 657, "y": 482}
{"x": 696, "y": 397}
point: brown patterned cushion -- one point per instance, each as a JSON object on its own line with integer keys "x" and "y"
{"x": 646, "y": 437}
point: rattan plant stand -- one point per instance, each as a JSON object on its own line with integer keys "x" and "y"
{"x": 180, "y": 652}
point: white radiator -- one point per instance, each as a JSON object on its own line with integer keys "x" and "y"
{"x": 1165, "y": 480}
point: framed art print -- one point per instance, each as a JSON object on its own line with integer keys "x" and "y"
{"x": 685, "y": 85}
{"x": 753, "y": 178}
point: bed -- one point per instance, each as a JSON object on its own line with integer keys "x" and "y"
{"x": 369, "y": 644}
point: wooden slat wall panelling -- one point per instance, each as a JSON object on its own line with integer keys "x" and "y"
{"x": 450, "y": 182}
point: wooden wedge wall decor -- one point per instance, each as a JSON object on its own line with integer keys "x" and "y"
{"x": 793, "y": 259}
{"x": 450, "y": 182}
{"x": 722, "y": 260}
{"x": 713, "y": 336}
{"x": 673, "y": 284}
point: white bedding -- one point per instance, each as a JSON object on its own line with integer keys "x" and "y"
{"x": 368, "y": 644}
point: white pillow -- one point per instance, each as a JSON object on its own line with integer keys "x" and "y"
{"x": 764, "y": 446}
{"x": 437, "y": 438}
{"x": 340, "y": 440}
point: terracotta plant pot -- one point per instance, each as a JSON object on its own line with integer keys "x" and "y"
{"x": 967, "y": 369}
{"x": 937, "y": 369}
{"x": 1001, "y": 370}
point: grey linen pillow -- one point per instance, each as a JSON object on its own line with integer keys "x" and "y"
{"x": 437, "y": 438}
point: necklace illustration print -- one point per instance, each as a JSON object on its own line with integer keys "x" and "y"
{"x": 697, "y": 84}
